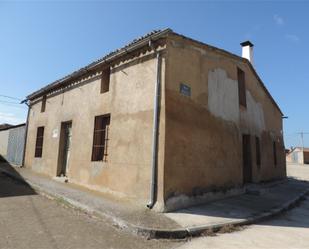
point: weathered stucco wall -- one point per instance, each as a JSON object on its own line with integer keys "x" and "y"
{"x": 130, "y": 104}
{"x": 203, "y": 150}
{"x": 200, "y": 136}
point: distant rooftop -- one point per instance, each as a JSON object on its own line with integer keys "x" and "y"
{"x": 9, "y": 126}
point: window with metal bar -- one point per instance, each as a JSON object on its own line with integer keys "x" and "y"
{"x": 241, "y": 87}
{"x": 258, "y": 152}
{"x": 275, "y": 153}
{"x": 100, "y": 138}
{"x": 39, "y": 142}
{"x": 105, "y": 80}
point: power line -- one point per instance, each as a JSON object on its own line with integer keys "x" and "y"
{"x": 302, "y": 137}
{"x": 9, "y": 102}
{"x": 13, "y": 104}
{"x": 9, "y": 97}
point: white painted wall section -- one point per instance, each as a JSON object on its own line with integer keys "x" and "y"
{"x": 223, "y": 95}
{"x": 254, "y": 115}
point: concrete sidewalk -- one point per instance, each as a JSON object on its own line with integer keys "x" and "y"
{"x": 260, "y": 202}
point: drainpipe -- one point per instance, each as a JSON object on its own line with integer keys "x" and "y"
{"x": 153, "y": 187}
{"x": 26, "y": 133}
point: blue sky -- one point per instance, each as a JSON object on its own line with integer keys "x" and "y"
{"x": 42, "y": 41}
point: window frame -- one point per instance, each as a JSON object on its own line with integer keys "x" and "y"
{"x": 39, "y": 142}
{"x": 258, "y": 152}
{"x": 241, "y": 78}
{"x": 105, "y": 80}
{"x": 275, "y": 153}
{"x": 100, "y": 138}
{"x": 43, "y": 104}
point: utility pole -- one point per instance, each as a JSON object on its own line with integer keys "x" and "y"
{"x": 302, "y": 142}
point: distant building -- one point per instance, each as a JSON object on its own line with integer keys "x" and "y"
{"x": 166, "y": 117}
{"x": 298, "y": 155}
{"x": 12, "y": 141}
{"x": 4, "y": 126}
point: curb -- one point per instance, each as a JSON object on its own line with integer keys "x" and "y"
{"x": 153, "y": 233}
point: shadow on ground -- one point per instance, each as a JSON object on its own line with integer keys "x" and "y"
{"x": 12, "y": 186}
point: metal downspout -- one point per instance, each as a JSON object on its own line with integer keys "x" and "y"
{"x": 153, "y": 187}
{"x": 26, "y": 135}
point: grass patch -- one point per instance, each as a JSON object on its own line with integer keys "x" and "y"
{"x": 209, "y": 232}
{"x": 230, "y": 229}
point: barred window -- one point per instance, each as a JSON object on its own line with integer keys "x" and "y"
{"x": 258, "y": 151}
{"x": 275, "y": 153}
{"x": 100, "y": 138}
{"x": 39, "y": 142}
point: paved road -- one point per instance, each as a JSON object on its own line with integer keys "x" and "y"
{"x": 288, "y": 231}
{"x": 31, "y": 221}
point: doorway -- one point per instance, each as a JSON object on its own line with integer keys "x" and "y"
{"x": 64, "y": 148}
{"x": 247, "y": 158}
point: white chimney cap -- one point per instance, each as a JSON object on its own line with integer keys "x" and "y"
{"x": 247, "y": 50}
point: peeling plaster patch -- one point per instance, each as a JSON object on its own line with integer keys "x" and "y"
{"x": 254, "y": 115}
{"x": 96, "y": 168}
{"x": 223, "y": 95}
{"x": 202, "y": 51}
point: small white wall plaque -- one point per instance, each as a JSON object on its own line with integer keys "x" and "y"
{"x": 55, "y": 133}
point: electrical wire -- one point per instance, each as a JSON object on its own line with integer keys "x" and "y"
{"x": 9, "y": 97}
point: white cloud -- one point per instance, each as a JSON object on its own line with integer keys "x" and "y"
{"x": 278, "y": 20}
{"x": 292, "y": 38}
{"x": 10, "y": 118}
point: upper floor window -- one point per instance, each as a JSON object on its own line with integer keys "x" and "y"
{"x": 100, "y": 138}
{"x": 241, "y": 87}
{"x": 43, "y": 106}
{"x": 105, "y": 80}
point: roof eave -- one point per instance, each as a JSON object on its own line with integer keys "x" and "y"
{"x": 112, "y": 57}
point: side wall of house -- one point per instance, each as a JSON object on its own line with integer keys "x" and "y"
{"x": 129, "y": 102}
{"x": 203, "y": 149}
{"x": 4, "y": 139}
{"x": 15, "y": 150}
